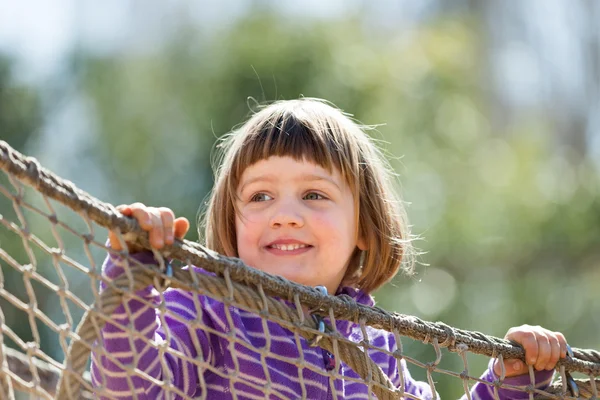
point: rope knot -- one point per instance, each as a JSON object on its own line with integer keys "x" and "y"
{"x": 450, "y": 339}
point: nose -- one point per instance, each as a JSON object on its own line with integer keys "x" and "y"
{"x": 287, "y": 213}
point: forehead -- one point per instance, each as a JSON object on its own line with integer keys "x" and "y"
{"x": 277, "y": 168}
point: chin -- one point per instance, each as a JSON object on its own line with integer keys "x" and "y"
{"x": 296, "y": 277}
{"x": 294, "y": 274}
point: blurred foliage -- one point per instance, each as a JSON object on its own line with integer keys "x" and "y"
{"x": 20, "y": 108}
{"x": 507, "y": 215}
{"x": 20, "y": 121}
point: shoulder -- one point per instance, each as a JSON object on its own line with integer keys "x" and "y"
{"x": 355, "y": 294}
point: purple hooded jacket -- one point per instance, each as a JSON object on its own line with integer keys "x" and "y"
{"x": 242, "y": 355}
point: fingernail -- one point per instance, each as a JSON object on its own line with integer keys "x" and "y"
{"x": 517, "y": 365}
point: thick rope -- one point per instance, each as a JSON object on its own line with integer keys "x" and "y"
{"x": 28, "y": 170}
{"x": 586, "y": 390}
{"x": 70, "y": 383}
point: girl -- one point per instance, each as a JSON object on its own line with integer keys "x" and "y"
{"x": 301, "y": 192}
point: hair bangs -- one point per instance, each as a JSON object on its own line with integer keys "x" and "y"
{"x": 285, "y": 135}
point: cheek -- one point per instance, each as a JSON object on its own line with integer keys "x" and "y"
{"x": 334, "y": 228}
{"x": 247, "y": 233}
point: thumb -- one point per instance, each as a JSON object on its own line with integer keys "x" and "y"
{"x": 511, "y": 367}
{"x": 182, "y": 226}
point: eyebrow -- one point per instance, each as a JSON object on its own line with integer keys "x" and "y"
{"x": 303, "y": 178}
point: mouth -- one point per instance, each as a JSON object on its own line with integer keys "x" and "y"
{"x": 288, "y": 248}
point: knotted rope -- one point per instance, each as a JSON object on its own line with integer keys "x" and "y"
{"x": 28, "y": 170}
{"x": 71, "y": 382}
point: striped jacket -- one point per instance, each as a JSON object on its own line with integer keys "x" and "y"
{"x": 240, "y": 355}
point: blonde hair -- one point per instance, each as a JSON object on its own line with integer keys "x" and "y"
{"x": 315, "y": 131}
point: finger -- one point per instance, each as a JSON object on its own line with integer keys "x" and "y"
{"x": 143, "y": 216}
{"x": 563, "y": 344}
{"x": 530, "y": 345}
{"x": 182, "y": 225}
{"x": 544, "y": 351}
{"x": 515, "y": 367}
{"x": 124, "y": 209}
{"x": 511, "y": 368}
{"x": 156, "y": 232}
{"x": 167, "y": 218}
{"x": 113, "y": 237}
{"x": 113, "y": 240}
{"x": 525, "y": 336}
{"x": 554, "y": 352}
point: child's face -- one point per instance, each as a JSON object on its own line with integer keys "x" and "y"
{"x": 296, "y": 220}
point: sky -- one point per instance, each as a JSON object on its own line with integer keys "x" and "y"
{"x": 37, "y": 39}
{"x": 40, "y": 32}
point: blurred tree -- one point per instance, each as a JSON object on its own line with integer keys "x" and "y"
{"x": 160, "y": 113}
{"x": 20, "y": 108}
{"x": 500, "y": 207}
{"x": 20, "y": 121}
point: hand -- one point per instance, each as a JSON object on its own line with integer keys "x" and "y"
{"x": 543, "y": 349}
{"x": 160, "y": 222}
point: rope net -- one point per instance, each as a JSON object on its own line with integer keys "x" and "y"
{"x": 58, "y": 310}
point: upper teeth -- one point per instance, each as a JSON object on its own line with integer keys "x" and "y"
{"x": 288, "y": 247}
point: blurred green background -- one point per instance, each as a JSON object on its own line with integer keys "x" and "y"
{"x": 489, "y": 112}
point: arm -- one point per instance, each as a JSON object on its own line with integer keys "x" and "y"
{"x": 118, "y": 382}
{"x": 543, "y": 349}
{"x": 481, "y": 391}
{"x": 516, "y": 371}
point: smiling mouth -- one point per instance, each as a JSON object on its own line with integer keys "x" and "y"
{"x": 288, "y": 247}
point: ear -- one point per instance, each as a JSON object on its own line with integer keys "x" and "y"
{"x": 361, "y": 243}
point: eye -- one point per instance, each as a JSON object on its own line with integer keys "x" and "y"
{"x": 258, "y": 197}
{"x": 314, "y": 196}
